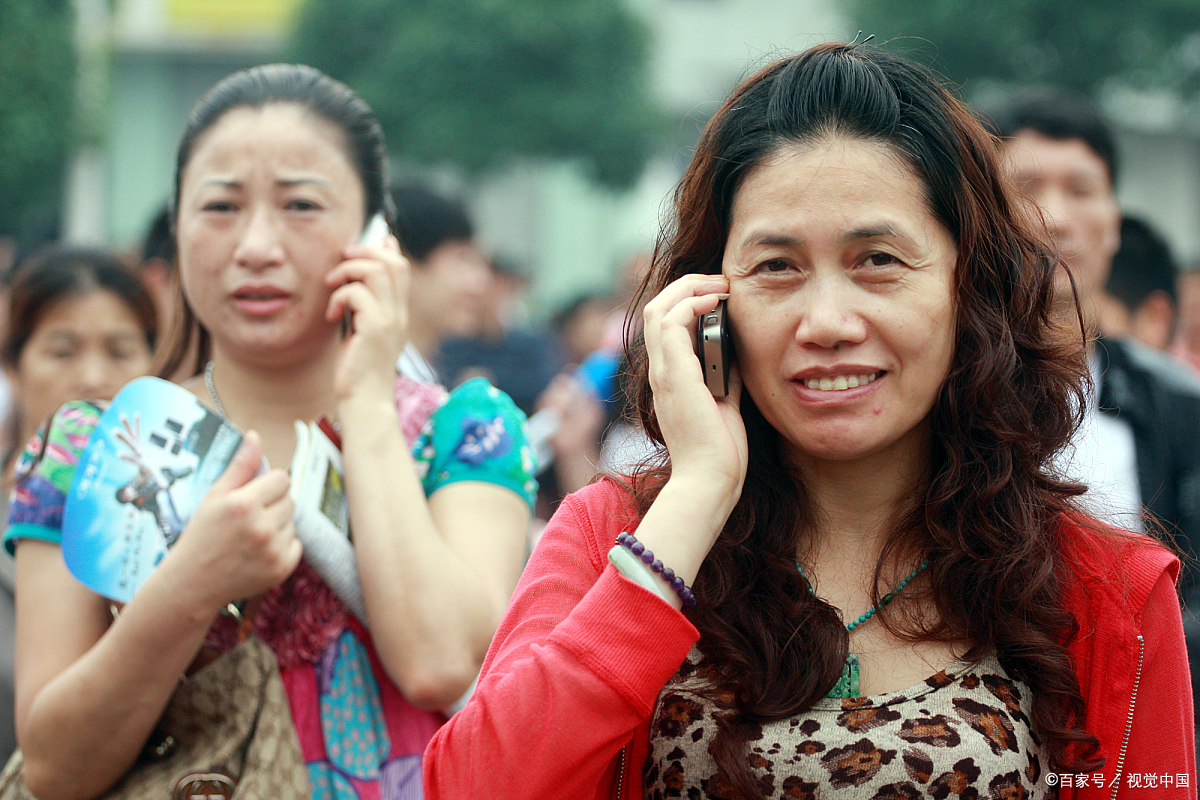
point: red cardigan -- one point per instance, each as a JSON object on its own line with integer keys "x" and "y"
{"x": 565, "y": 696}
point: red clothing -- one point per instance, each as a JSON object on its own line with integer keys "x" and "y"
{"x": 572, "y": 677}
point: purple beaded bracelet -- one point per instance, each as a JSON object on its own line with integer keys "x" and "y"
{"x": 638, "y": 549}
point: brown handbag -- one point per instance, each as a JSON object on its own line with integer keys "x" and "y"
{"x": 226, "y": 733}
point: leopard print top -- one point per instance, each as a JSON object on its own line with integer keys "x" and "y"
{"x": 962, "y": 733}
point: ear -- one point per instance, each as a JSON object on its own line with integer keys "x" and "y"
{"x": 1154, "y": 320}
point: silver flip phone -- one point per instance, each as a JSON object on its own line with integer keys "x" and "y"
{"x": 714, "y": 350}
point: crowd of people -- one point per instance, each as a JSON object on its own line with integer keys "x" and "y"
{"x": 938, "y": 539}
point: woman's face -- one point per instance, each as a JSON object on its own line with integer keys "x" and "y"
{"x": 841, "y": 299}
{"x": 84, "y": 347}
{"x": 268, "y": 201}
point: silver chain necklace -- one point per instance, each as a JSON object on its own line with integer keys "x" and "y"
{"x": 212, "y": 390}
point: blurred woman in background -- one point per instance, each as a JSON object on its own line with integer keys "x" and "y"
{"x": 80, "y": 325}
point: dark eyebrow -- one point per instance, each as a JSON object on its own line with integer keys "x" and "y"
{"x": 770, "y": 240}
{"x": 290, "y": 182}
{"x": 229, "y": 183}
{"x": 783, "y": 240}
{"x": 871, "y": 232}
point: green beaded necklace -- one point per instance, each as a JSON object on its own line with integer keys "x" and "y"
{"x": 847, "y": 685}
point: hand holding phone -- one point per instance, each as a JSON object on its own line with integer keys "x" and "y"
{"x": 714, "y": 349}
{"x": 375, "y": 234}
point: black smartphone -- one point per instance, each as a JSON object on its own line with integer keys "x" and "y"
{"x": 714, "y": 349}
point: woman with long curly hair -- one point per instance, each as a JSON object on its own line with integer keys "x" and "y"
{"x": 858, "y": 574}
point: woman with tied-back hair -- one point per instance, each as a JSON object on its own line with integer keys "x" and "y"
{"x": 857, "y": 574}
{"x": 286, "y": 316}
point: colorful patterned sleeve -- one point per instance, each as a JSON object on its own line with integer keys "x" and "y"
{"x": 478, "y": 434}
{"x": 44, "y": 473}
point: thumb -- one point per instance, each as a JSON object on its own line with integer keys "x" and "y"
{"x": 244, "y": 464}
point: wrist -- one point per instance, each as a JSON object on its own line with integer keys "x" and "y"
{"x": 366, "y": 406}
{"x": 704, "y": 499}
{"x": 639, "y": 564}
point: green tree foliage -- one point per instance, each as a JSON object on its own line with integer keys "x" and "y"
{"x": 37, "y": 80}
{"x": 477, "y": 82}
{"x": 1077, "y": 44}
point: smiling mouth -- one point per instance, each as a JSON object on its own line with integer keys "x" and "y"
{"x": 840, "y": 383}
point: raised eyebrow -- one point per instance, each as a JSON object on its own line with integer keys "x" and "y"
{"x": 288, "y": 183}
{"x": 230, "y": 183}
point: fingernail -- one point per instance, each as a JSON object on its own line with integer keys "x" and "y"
{"x": 723, "y": 295}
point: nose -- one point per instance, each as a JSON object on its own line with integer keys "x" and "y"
{"x": 1052, "y": 201}
{"x": 259, "y": 244}
{"x": 830, "y": 311}
{"x": 94, "y": 378}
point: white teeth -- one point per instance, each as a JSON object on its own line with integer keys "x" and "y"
{"x": 840, "y": 382}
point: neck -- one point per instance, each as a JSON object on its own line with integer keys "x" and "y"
{"x": 423, "y": 338}
{"x": 857, "y": 505}
{"x": 268, "y": 399}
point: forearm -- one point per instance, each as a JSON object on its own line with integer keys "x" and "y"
{"x": 574, "y": 673}
{"x": 85, "y": 726}
{"x": 682, "y": 524}
{"x": 431, "y": 614}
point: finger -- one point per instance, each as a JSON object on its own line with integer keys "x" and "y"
{"x": 673, "y": 334}
{"x": 687, "y": 286}
{"x": 379, "y": 266}
{"x": 355, "y": 298}
{"x": 269, "y": 488}
{"x": 244, "y": 464}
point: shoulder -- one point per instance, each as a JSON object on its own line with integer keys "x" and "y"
{"x": 59, "y": 443}
{"x": 1110, "y": 571}
{"x": 480, "y": 396}
{"x": 45, "y": 472}
{"x": 608, "y": 495}
{"x": 1154, "y": 366}
{"x": 601, "y": 510}
{"x": 477, "y": 434}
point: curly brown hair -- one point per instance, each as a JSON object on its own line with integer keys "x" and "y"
{"x": 990, "y": 512}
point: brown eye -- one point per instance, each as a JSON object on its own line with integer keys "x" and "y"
{"x": 774, "y": 265}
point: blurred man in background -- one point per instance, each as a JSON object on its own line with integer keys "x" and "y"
{"x": 1138, "y": 448}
